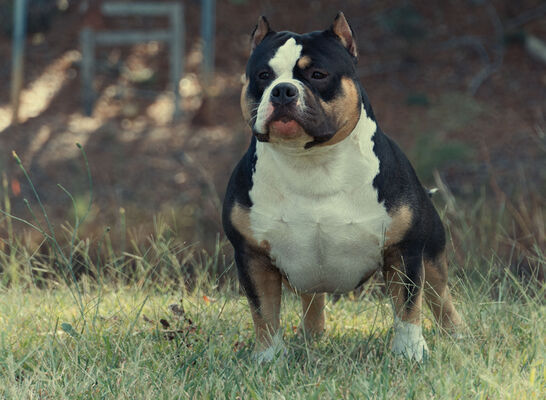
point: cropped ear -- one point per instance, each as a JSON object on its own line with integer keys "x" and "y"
{"x": 344, "y": 33}
{"x": 261, "y": 30}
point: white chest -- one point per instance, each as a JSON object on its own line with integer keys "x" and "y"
{"x": 318, "y": 211}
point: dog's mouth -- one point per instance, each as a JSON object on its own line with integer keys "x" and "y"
{"x": 286, "y": 123}
{"x": 283, "y": 123}
{"x": 285, "y": 127}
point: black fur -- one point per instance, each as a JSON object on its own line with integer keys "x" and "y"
{"x": 397, "y": 183}
{"x": 237, "y": 191}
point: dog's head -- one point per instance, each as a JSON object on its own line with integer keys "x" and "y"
{"x": 302, "y": 90}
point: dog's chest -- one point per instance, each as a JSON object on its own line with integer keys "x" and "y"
{"x": 320, "y": 214}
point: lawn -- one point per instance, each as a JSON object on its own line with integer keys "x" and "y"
{"x": 116, "y": 341}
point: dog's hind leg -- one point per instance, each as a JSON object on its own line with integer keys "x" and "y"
{"x": 438, "y": 296}
{"x": 313, "y": 313}
{"x": 403, "y": 273}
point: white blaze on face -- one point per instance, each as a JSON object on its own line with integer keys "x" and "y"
{"x": 282, "y": 64}
{"x": 285, "y": 58}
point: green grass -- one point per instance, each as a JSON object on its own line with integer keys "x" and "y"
{"x": 118, "y": 349}
{"x": 80, "y": 319}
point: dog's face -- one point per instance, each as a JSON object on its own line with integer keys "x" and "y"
{"x": 301, "y": 90}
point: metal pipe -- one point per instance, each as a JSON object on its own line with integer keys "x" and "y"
{"x": 208, "y": 21}
{"x": 18, "y": 53}
{"x": 177, "y": 52}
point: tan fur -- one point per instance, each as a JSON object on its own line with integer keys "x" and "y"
{"x": 401, "y": 222}
{"x": 267, "y": 282}
{"x": 438, "y": 296}
{"x": 394, "y": 274}
{"x": 304, "y": 62}
{"x": 313, "y": 313}
{"x": 313, "y": 309}
{"x": 342, "y": 29}
{"x": 259, "y": 33}
{"x": 393, "y": 268}
{"x": 435, "y": 290}
{"x": 246, "y": 107}
{"x": 240, "y": 218}
{"x": 266, "y": 279}
{"x": 346, "y": 106}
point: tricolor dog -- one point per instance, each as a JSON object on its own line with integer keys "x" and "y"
{"x": 323, "y": 198}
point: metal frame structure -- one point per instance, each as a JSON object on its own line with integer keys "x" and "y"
{"x": 18, "y": 56}
{"x": 174, "y": 37}
{"x": 208, "y": 24}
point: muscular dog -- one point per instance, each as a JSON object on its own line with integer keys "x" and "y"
{"x": 323, "y": 198}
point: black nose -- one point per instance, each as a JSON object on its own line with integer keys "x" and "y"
{"x": 284, "y": 93}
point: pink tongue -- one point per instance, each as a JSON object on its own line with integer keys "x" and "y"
{"x": 285, "y": 128}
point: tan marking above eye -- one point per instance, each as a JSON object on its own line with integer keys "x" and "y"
{"x": 304, "y": 62}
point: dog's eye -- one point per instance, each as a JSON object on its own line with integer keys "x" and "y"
{"x": 264, "y": 75}
{"x": 318, "y": 75}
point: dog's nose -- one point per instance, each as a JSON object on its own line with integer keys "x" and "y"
{"x": 284, "y": 93}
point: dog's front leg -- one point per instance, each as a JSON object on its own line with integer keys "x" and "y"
{"x": 262, "y": 283}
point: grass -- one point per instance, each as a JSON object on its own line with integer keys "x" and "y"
{"x": 80, "y": 319}
{"x": 119, "y": 349}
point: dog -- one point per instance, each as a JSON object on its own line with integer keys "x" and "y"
{"x": 323, "y": 198}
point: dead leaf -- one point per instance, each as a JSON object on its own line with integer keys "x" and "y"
{"x": 165, "y": 323}
{"x": 208, "y": 299}
{"x": 15, "y": 187}
{"x": 166, "y": 330}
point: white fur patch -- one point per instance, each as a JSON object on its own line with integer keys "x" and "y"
{"x": 319, "y": 211}
{"x": 276, "y": 349}
{"x": 408, "y": 340}
{"x": 282, "y": 64}
{"x": 285, "y": 58}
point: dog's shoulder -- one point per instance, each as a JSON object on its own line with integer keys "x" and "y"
{"x": 237, "y": 196}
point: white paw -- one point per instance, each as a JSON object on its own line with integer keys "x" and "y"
{"x": 277, "y": 349}
{"x": 409, "y": 341}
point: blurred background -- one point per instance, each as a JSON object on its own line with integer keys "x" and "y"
{"x": 459, "y": 84}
